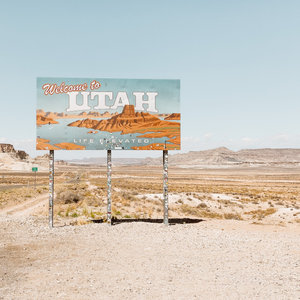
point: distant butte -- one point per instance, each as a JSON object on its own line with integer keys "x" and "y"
{"x": 130, "y": 121}
{"x": 62, "y": 115}
{"x": 173, "y": 117}
{"x": 40, "y": 120}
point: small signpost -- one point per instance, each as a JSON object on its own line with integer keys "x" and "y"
{"x": 35, "y": 169}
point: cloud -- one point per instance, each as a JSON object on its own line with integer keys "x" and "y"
{"x": 208, "y": 135}
{"x": 283, "y": 137}
{"x": 29, "y": 142}
{"x": 189, "y": 139}
{"x": 249, "y": 140}
{"x": 28, "y": 146}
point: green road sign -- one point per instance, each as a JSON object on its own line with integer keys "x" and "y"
{"x": 34, "y": 169}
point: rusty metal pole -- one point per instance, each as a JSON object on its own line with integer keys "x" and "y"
{"x": 166, "y": 194}
{"x": 51, "y": 187}
{"x": 109, "y": 187}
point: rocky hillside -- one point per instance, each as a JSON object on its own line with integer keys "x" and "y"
{"x": 18, "y": 160}
{"x": 225, "y": 157}
{"x": 9, "y": 149}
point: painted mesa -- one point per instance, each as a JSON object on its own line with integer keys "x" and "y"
{"x": 107, "y": 114}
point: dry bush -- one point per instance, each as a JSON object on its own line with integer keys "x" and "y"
{"x": 13, "y": 196}
{"x": 80, "y": 221}
{"x": 233, "y": 216}
{"x": 202, "y": 205}
{"x": 157, "y": 202}
{"x": 187, "y": 209}
{"x": 128, "y": 196}
{"x": 92, "y": 201}
{"x": 211, "y": 215}
{"x": 125, "y": 202}
{"x": 261, "y": 213}
{"x": 71, "y": 194}
{"x": 69, "y": 197}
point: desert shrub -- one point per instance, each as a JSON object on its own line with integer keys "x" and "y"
{"x": 261, "y": 213}
{"x": 128, "y": 196}
{"x": 69, "y": 197}
{"x": 81, "y": 221}
{"x": 71, "y": 194}
{"x": 211, "y": 215}
{"x": 187, "y": 209}
{"x": 202, "y": 205}
{"x": 232, "y": 216}
{"x": 92, "y": 201}
{"x": 157, "y": 202}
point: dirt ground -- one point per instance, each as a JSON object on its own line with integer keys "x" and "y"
{"x": 243, "y": 242}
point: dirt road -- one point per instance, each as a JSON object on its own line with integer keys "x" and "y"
{"x": 33, "y": 206}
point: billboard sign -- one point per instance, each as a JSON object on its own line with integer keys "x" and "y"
{"x": 107, "y": 114}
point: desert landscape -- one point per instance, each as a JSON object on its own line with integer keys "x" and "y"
{"x": 233, "y": 233}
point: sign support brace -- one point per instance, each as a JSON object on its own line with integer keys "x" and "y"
{"x": 51, "y": 187}
{"x": 109, "y": 187}
{"x": 166, "y": 194}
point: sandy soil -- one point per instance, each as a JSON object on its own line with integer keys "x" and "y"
{"x": 257, "y": 258}
{"x": 208, "y": 260}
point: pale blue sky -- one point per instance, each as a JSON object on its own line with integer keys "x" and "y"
{"x": 238, "y": 62}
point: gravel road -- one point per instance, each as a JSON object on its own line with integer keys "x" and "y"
{"x": 208, "y": 260}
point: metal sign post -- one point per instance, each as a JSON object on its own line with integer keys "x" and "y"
{"x": 51, "y": 187}
{"x": 109, "y": 187}
{"x": 35, "y": 169}
{"x": 166, "y": 195}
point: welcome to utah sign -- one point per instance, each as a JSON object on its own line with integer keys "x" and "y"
{"x": 107, "y": 114}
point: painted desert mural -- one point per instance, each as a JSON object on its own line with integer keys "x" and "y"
{"x": 142, "y": 131}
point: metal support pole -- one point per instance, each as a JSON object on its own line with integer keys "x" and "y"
{"x": 109, "y": 187}
{"x": 51, "y": 187}
{"x": 166, "y": 194}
